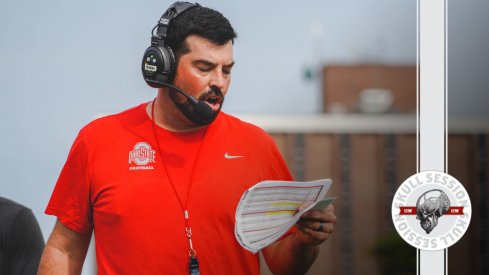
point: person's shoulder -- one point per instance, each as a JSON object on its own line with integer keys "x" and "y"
{"x": 108, "y": 123}
{"x": 235, "y": 122}
{"x": 4, "y": 202}
{"x": 239, "y": 127}
{"x": 11, "y": 207}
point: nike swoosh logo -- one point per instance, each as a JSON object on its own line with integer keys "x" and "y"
{"x": 226, "y": 155}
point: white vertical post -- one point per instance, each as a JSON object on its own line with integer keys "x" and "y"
{"x": 431, "y": 107}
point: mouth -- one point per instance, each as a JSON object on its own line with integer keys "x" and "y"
{"x": 214, "y": 104}
{"x": 214, "y": 99}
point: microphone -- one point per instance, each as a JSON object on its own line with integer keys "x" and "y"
{"x": 200, "y": 114}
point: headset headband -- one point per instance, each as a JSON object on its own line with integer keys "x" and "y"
{"x": 173, "y": 11}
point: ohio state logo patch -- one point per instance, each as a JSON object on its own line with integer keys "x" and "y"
{"x": 141, "y": 156}
{"x": 431, "y": 210}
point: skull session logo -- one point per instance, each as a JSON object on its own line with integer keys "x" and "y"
{"x": 431, "y": 210}
{"x": 428, "y": 210}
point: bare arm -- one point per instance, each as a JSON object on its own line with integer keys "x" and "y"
{"x": 65, "y": 252}
{"x": 296, "y": 253}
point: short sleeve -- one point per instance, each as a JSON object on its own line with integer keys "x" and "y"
{"x": 70, "y": 200}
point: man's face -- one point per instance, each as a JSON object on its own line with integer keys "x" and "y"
{"x": 204, "y": 72}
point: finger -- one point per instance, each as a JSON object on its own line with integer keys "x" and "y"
{"x": 312, "y": 224}
{"x": 315, "y": 237}
{"x": 315, "y": 225}
{"x": 319, "y": 215}
{"x": 312, "y": 233}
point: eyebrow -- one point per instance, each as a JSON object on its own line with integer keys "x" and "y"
{"x": 210, "y": 64}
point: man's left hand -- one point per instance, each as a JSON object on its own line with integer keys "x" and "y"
{"x": 315, "y": 226}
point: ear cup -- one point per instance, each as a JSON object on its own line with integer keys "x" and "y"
{"x": 158, "y": 65}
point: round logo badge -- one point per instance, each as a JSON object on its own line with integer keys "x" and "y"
{"x": 431, "y": 210}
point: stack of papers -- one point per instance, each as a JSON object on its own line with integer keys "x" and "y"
{"x": 269, "y": 209}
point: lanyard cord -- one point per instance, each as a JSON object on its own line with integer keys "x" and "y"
{"x": 188, "y": 229}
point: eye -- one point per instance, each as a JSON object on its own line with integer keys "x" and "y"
{"x": 226, "y": 71}
{"x": 204, "y": 69}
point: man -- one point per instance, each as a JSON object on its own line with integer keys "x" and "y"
{"x": 21, "y": 241}
{"x": 159, "y": 183}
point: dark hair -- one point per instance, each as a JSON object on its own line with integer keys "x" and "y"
{"x": 201, "y": 21}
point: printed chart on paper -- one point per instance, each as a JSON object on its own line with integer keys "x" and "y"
{"x": 269, "y": 209}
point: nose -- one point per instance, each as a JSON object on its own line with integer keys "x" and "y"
{"x": 218, "y": 79}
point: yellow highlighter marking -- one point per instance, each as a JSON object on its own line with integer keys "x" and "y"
{"x": 281, "y": 212}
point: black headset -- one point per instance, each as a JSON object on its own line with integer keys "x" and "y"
{"x": 159, "y": 64}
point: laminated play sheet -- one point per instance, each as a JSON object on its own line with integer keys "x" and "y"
{"x": 269, "y": 209}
